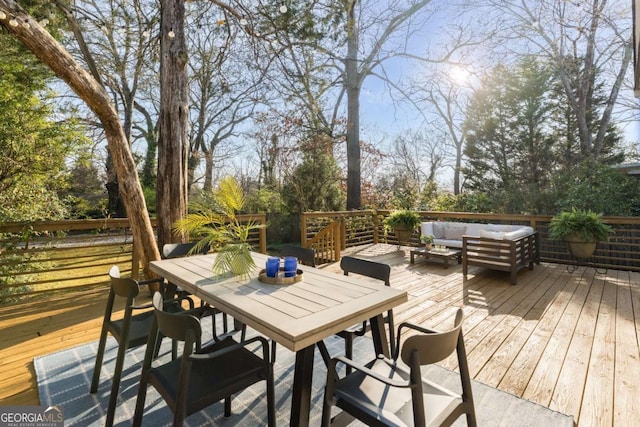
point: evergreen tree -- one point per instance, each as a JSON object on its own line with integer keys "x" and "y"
{"x": 33, "y": 146}
{"x": 508, "y": 141}
{"x": 315, "y": 184}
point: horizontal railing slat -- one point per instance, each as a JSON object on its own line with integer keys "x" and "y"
{"x": 41, "y": 256}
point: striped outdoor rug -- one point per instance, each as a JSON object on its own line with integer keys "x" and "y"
{"x": 64, "y": 378}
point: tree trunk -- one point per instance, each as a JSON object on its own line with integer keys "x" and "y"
{"x": 208, "y": 171}
{"x": 173, "y": 139}
{"x": 457, "y": 171}
{"x": 352, "y": 84}
{"x": 51, "y": 53}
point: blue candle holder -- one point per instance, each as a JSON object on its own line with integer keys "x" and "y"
{"x": 273, "y": 266}
{"x": 290, "y": 266}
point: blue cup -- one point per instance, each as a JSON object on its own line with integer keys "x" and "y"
{"x": 272, "y": 267}
{"x": 290, "y": 266}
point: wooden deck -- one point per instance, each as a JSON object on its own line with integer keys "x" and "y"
{"x": 568, "y": 341}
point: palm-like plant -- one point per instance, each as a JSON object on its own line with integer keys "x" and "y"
{"x": 218, "y": 226}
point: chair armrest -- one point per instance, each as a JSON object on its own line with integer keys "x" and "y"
{"x": 416, "y": 328}
{"x": 332, "y": 370}
{"x": 359, "y": 332}
{"x": 201, "y": 357}
{"x": 198, "y": 312}
{"x": 180, "y": 299}
{"x": 177, "y": 301}
{"x": 146, "y": 282}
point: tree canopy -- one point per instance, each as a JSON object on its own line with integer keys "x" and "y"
{"x": 34, "y": 147}
{"x": 258, "y": 84}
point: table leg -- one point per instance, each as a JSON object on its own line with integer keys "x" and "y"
{"x": 301, "y": 393}
{"x": 379, "y": 335}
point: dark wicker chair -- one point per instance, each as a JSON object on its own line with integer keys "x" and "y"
{"x": 201, "y": 376}
{"x": 386, "y": 393}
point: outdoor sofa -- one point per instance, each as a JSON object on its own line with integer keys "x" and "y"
{"x": 496, "y": 246}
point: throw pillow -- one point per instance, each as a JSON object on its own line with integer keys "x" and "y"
{"x": 438, "y": 230}
{"x": 454, "y": 232}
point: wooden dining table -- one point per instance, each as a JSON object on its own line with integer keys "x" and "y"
{"x": 296, "y": 316}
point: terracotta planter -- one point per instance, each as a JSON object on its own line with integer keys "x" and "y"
{"x": 428, "y": 246}
{"x": 403, "y": 234}
{"x": 579, "y": 247}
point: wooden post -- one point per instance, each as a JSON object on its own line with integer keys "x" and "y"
{"x": 337, "y": 233}
{"x": 376, "y": 233}
{"x": 263, "y": 236}
{"x": 303, "y": 230}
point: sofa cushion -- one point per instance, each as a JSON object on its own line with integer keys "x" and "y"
{"x": 499, "y": 235}
{"x": 438, "y": 230}
{"x": 520, "y": 232}
{"x": 426, "y": 229}
{"x": 473, "y": 228}
{"x": 450, "y": 233}
{"x": 454, "y": 232}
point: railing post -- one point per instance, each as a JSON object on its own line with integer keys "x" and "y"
{"x": 337, "y": 234}
{"x": 263, "y": 234}
{"x": 343, "y": 233}
{"x": 303, "y": 230}
{"x": 376, "y": 236}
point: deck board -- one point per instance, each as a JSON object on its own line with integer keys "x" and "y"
{"x": 574, "y": 369}
{"x": 597, "y": 402}
{"x": 626, "y": 387}
{"x": 568, "y": 341}
{"x": 532, "y": 351}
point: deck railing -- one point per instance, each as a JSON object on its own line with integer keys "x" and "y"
{"x": 43, "y": 256}
{"x": 331, "y": 232}
{"x": 621, "y": 252}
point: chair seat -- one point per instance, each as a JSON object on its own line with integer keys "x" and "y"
{"x": 138, "y": 330}
{"x": 227, "y": 374}
{"x": 370, "y": 396}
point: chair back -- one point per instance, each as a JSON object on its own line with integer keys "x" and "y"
{"x": 177, "y": 326}
{"x": 375, "y": 270}
{"x": 432, "y": 347}
{"x": 306, "y": 256}
{"x": 123, "y": 287}
{"x": 177, "y": 250}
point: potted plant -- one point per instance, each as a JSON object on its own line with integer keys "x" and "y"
{"x": 428, "y": 241}
{"x": 217, "y": 225}
{"x": 581, "y": 229}
{"x": 402, "y": 222}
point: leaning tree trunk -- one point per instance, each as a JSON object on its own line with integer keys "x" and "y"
{"x": 51, "y": 53}
{"x": 173, "y": 139}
